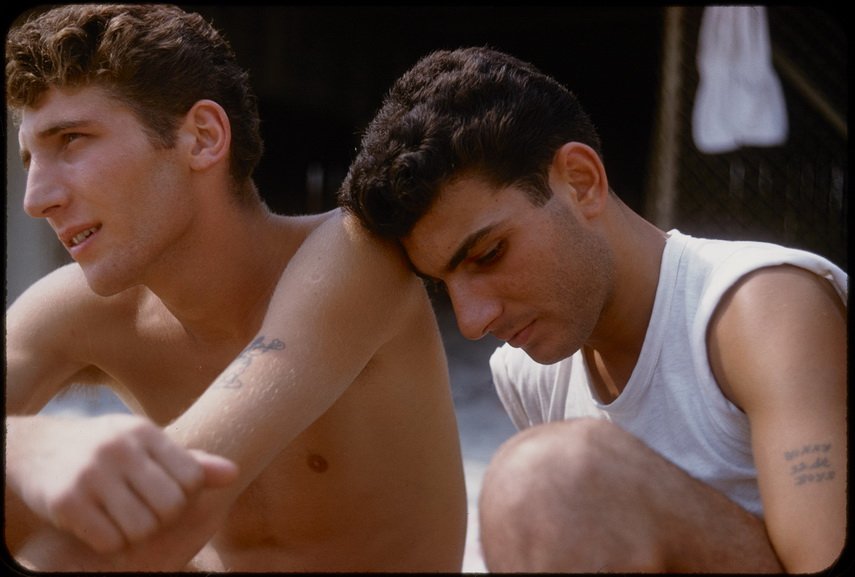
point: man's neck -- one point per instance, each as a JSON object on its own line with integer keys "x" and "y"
{"x": 613, "y": 350}
{"x": 218, "y": 289}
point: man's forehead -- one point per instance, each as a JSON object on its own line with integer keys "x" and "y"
{"x": 86, "y": 96}
{"x": 68, "y": 105}
{"x": 463, "y": 213}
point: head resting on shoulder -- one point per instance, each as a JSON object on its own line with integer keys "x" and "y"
{"x": 472, "y": 111}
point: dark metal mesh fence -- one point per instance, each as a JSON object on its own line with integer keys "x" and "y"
{"x": 795, "y": 194}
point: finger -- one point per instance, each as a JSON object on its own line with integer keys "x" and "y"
{"x": 178, "y": 463}
{"x": 100, "y": 533}
{"x": 129, "y": 513}
{"x": 218, "y": 471}
{"x": 86, "y": 520}
{"x": 159, "y": 491}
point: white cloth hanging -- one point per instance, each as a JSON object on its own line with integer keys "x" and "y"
{"x": 739, "y": 101}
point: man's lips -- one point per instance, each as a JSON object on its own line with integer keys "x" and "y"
{"x": 521, "y": 337}
{"x": 74, "y": 237}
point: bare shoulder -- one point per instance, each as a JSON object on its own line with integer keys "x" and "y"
{"x": 772, "y": 297}
{"x": 776, "y": 286}
{"x": 774, "y": 323}
{"x": 63, "y": 296}
{"x": 343, "y": 281}
{"x": 337, "y": 237}
{"x": 52, "y": 330}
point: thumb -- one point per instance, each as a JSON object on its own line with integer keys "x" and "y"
{"x": 219, "y": 471}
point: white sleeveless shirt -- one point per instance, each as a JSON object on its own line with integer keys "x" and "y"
{"x": 672, "y": 401}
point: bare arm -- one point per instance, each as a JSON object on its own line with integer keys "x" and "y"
{"x": 40, "y": 331}
{"x": 341, "y": 298}
{"x": 108, "y": 480}
{"x": 778, "y": 348}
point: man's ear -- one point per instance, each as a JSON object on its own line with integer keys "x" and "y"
{"x": 578, "y": 169}
{"x": 209, "y": 133}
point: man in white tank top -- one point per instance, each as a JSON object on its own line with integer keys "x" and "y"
{"x": 682, "y": 401}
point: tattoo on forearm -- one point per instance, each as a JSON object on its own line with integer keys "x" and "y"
{"x": 810, "y": 463}
{"x": 230, "y": 379}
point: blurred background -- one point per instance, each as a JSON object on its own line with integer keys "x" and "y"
{"x": 320, "y": 73}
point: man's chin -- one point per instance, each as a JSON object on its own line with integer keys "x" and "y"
{"x": 545, "y": 357}
{"x": 104, "y": 286}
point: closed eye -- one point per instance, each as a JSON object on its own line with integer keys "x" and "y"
{"x": 491, "y": 256}
{"x": 433, "y": 285}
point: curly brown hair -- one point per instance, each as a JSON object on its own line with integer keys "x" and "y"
{"x": 158, "y": 59}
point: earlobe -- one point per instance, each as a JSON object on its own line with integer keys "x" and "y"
{"x": 208, "y": 126}
{"x": 580, "y": 168}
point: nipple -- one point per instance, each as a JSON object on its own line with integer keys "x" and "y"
{"x": 317, "y": 463}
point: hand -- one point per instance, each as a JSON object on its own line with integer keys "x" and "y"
{"x": 110, "y": 481}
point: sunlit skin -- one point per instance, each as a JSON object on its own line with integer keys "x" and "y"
{"x": 88, "y": 163}
{"x": 547, "y": 279}
{"x": 337, "y": 417}
{"x": 580, "y": 272}
{"x": 506, "y": 267}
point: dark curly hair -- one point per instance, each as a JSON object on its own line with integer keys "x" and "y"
{"x": 468, "y": 111}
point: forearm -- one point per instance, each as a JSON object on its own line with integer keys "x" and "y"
{"x": 28, "y": 442}
{"x": 123, "y": 494}
{"x": 15, "y": 438}
{"x": 172, "y": 549}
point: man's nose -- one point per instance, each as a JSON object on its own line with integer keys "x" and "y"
{"x": 44, "y": 192}
{"x": 474, "y": 309}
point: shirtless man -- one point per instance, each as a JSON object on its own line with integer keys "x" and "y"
{"x": 327, "y": 440}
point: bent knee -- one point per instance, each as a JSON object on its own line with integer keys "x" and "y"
{"x": 546, "y": 447}
{"x": 560, "y": 496}
{"x": 568, "y": 460}
{"x": 550, "y": 489}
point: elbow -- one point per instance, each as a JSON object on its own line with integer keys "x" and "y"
{"x": 814, "y": 555}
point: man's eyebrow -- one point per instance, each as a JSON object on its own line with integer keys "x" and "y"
{"x": 466, "y": 246}
{"x": 59, "y": 127}
{"x": 459, "y": 255}
{"x": 51, "y": 130}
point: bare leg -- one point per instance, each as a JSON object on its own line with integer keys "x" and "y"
{"x": 585, "y": 496}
